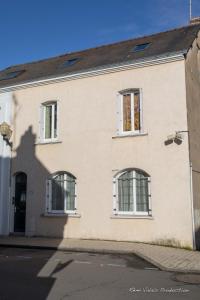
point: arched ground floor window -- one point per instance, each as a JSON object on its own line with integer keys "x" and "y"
{"x": 132, "y": 192}
{"x": 61, "y": 193}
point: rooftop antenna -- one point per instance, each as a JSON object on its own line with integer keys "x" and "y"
{"x": 190, "y": 10}
{"x": 193, "y": 20}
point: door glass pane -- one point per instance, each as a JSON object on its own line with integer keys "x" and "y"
{"x": 48, "y": 121}
{"x": 127, "y": 112}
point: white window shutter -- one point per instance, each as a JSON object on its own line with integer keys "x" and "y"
{"x": 149, "y": 196}
{"x": 114, "y": 196}
{"x": 119, "y": 113}
{"x": 48, "y": 195}
{"x": 75, "y": 200}
{"x": 41, "y": 123}
{"x": 141, "y": 109}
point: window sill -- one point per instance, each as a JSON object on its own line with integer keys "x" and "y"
{"x": 118, "y": 216}
{"x": 124, "y": 135}
{"x": 48, "y": 142}
{"x": 61, "y": 215}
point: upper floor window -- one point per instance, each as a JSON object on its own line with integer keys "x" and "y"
{"x": 49, "y": 121}
{"x": 132, "y": 192}
{"x": 130, "y": 111}
{"x": 61, "y": 193}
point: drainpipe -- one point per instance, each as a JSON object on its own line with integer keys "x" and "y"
{"x": 191, "y": 190}
{"x": 192, "y": 208}
{"x": 191, "y": 195}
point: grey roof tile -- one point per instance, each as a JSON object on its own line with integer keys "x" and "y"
{"x": 161, "y": 43}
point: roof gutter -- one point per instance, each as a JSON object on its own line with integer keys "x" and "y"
{"x": 166, "y": 58}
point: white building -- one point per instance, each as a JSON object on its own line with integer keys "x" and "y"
{"x": 106, "y": 142}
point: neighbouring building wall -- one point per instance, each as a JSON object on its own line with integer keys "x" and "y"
{"x": 5, "y": 116}
{"x": 193, "y": 104}
{"x": 90, "y": 149}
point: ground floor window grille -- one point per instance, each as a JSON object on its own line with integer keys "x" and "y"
{"x": 61, "y": 193}
{"x": 132, "y": 192}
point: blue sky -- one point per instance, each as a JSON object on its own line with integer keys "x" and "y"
{"x": 33, "y": 30}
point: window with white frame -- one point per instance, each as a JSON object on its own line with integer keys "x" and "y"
{"x": 130, "y": 119}
{"x": 61, "y": 193}
{"x": 132, "y": 192}
{"x": 49, "y": 121}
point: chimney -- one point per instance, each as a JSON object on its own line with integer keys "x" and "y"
{"x": 195, "y": 20}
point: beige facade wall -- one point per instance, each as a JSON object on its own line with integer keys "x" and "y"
{"x": 193, "y": 104}
{"x": 90, "y": 150}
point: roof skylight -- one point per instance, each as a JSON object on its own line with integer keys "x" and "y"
{"x": 70, "y": 62}
{"x": 140, "y": 47}
{"x": 11, "y": 75}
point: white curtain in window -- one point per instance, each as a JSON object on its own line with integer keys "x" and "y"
{"x": 48, "y": 121}
{"x": 125, "y": 191}
{"x": 133, "y": 192}
{"x": 63, "y": 192}
{"x": 141, "y": 192}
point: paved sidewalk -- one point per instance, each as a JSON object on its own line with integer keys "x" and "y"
{"x": 166, "y": 258}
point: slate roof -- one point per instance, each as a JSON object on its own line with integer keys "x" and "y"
{"x": 162, "y": 43}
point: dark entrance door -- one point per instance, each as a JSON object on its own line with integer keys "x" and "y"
{"x": 20, "y": 202}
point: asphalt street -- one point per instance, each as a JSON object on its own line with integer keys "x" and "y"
{"x": 55, "y": 275}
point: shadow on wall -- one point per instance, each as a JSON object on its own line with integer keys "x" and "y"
{"x": 24, "y": 161}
